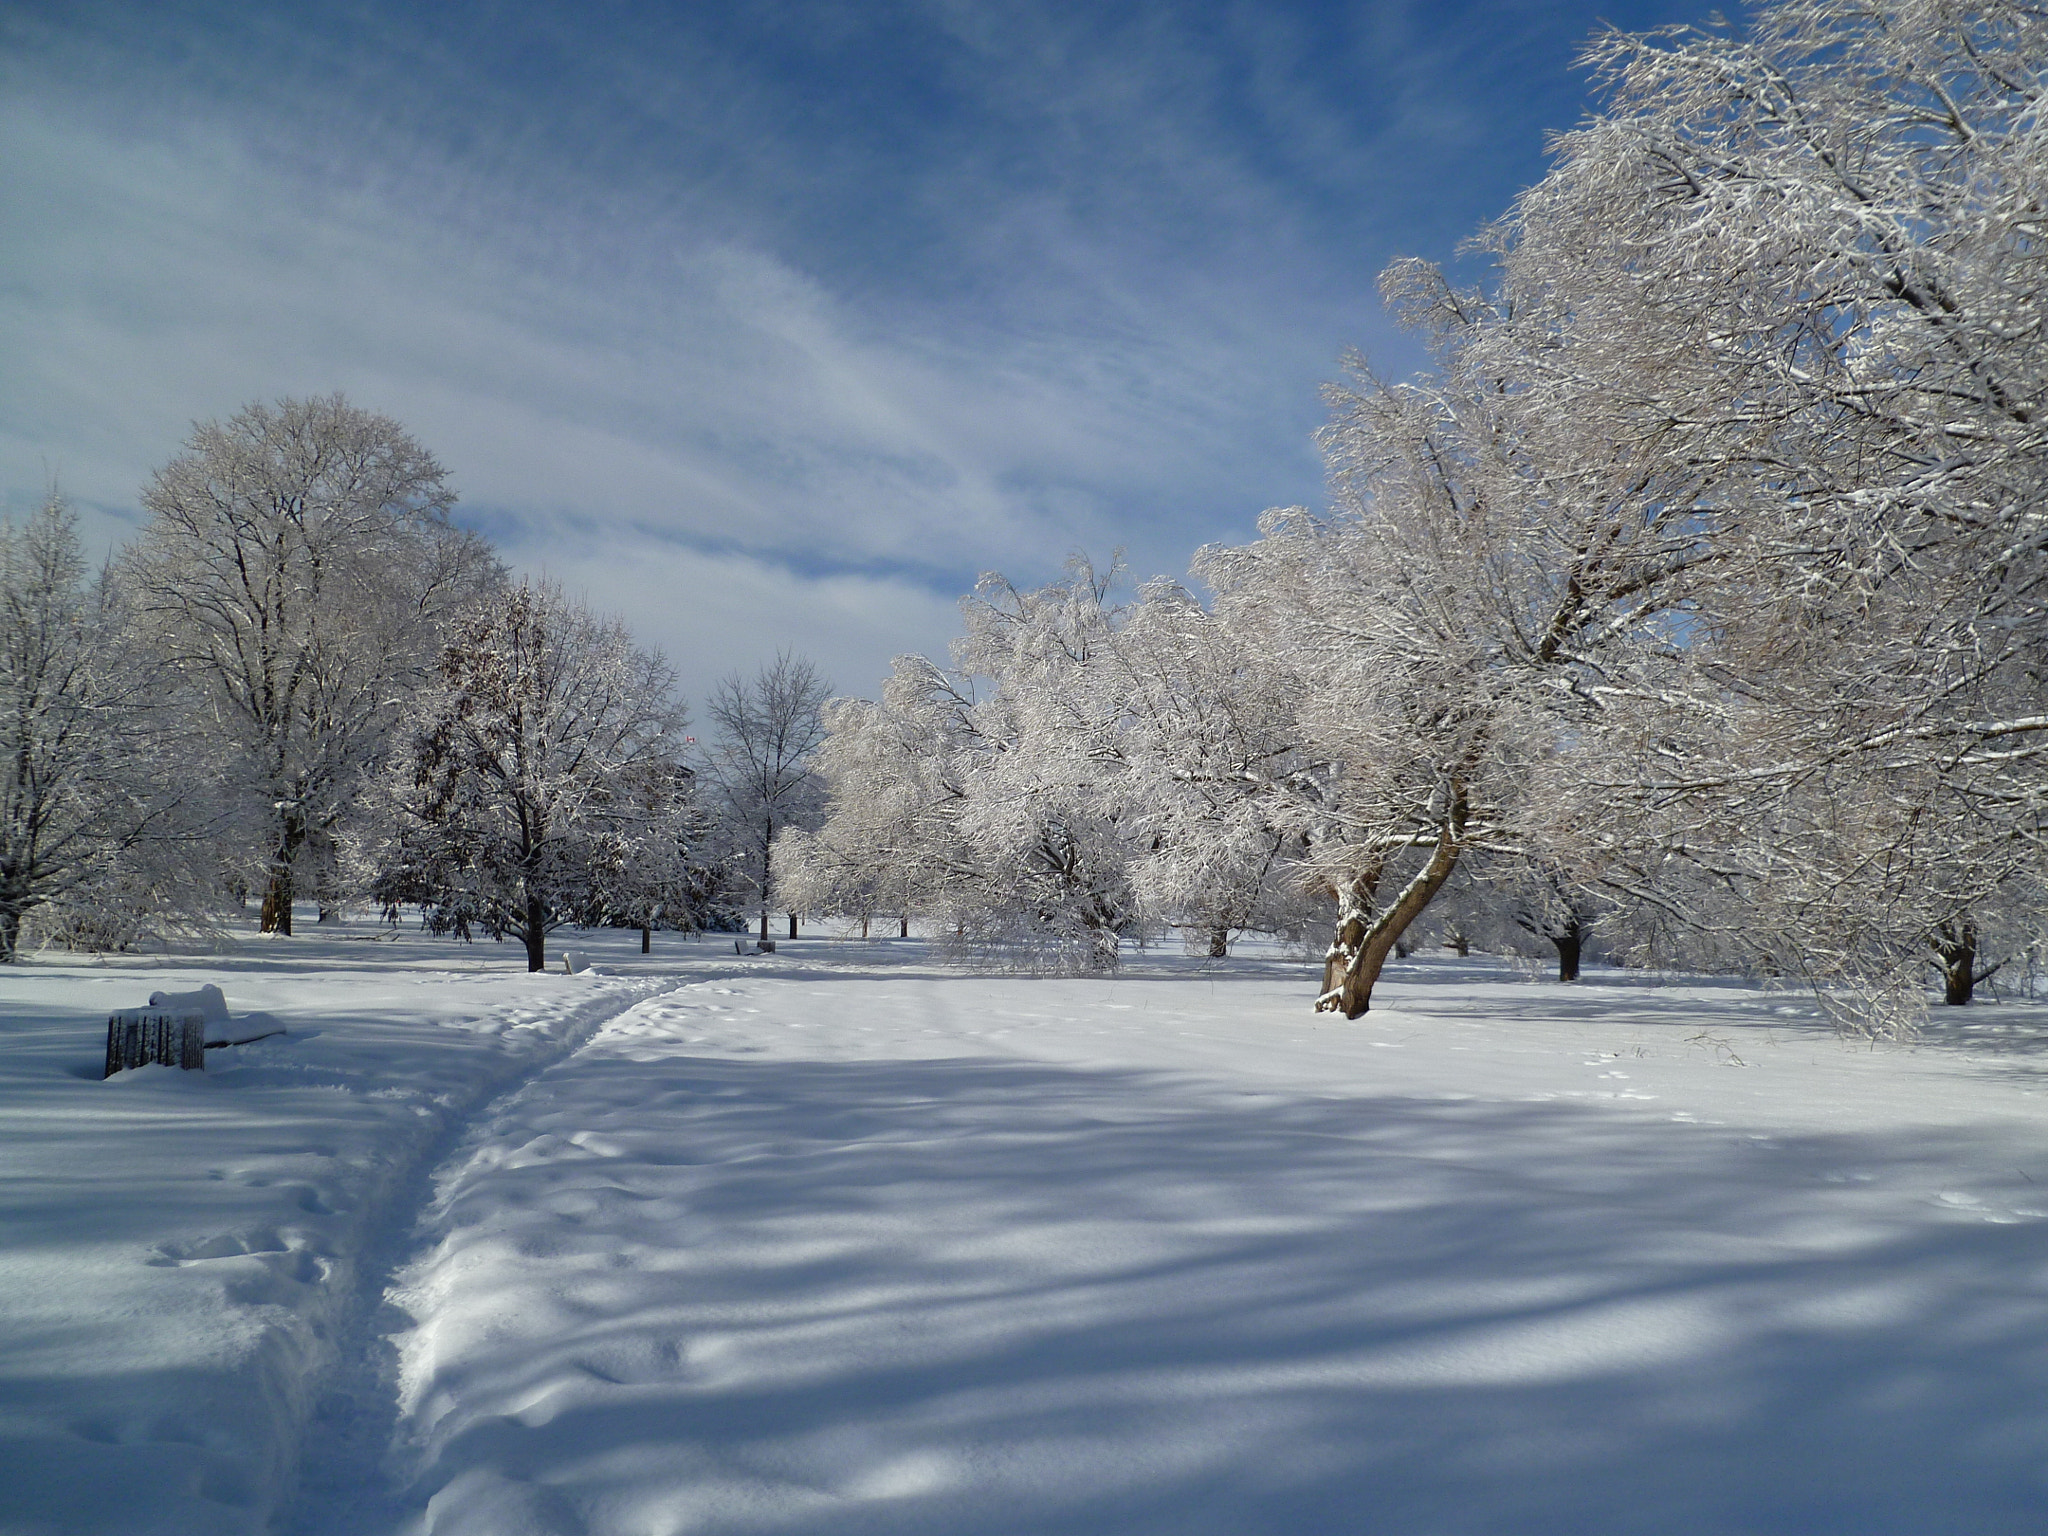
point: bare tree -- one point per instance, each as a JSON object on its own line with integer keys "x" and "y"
{"x": 295, "y": 570}
{"x": 769, "y": 731}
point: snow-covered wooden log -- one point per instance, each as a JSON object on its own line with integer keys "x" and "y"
{"x": 139, "y": 1037}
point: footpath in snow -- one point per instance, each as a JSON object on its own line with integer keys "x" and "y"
{"x": 181, "y": 1253}
{"x": 844, "y": 1242}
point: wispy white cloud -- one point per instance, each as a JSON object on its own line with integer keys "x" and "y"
{"x": 774, "y": 299}
{"x": 706, "y": 611}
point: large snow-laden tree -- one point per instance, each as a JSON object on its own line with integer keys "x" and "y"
{"x": 543, "y": 784}
{"x": 88, "y": 747}
{"x": 1491, "y": 592}
{"x": 769, "y": 730}
{"x": 1806, "y": 260}
{"x": 295, "y": 569}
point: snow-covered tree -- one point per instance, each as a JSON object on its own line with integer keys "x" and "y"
{"x": 1204, "y": 731}
{"x": 761, "y": 765}
{"x": 87, "y": 750}
{"x": 295, "y": 569}
{"x": 543, "y": 781}
{"x": 1713, "y": 540}
{"x": 1489, "y": 587}
{"x": 682, "y": 884}
{"x": 1702, "y": 584}
{"x": 991, "y": 794}
{"x": 1805, "y": 260}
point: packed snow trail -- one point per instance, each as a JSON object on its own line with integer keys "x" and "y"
{"x": 183, "y": 1255}
{"x": 354, "y": 1413}
{"x": 912, "y": 1252}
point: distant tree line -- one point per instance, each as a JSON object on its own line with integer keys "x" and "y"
{"x": 304, "y": 685}
{"x": 1695, "y": 601}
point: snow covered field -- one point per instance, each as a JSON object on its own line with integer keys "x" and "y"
{"x": 841, "y": 1241}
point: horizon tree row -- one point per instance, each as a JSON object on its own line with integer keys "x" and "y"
{"x": 303, "y": 681}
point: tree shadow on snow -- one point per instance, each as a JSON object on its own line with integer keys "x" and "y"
{"x": 954, "y": 1296}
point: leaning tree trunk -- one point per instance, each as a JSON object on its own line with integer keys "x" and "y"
{"x": 1955, "y": 951}
{"x": 1363, "y": 943}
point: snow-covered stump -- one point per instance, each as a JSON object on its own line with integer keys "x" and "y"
{"x": 142, "y": 1037}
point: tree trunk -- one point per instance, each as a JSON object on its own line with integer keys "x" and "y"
{"x": 792, "y": 925}
{"x": 536, "y": 935}
{"x": 277, "y": 904}
{"x": 327, "y": 893}
{"x": 1102, "y": 948}
{"x": 1219, "y": 941}
{"x": 10, "y": 934}
{"x": 1363, "y": 943}
{"x": 646, "y": 939}
{"x": 1462, "y": 945}
{"x": 1570, "y": 944}
{"x": 277, "y": 897}
{"x": 1955, "y": 950}
{"x": 764, "y": 925}
{"x": 864, "y": 924}
{"x": 904, "y": 932}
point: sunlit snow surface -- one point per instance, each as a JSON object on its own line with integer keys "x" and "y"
{"x": 841, "y": 1241}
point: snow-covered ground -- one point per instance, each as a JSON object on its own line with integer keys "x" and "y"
{"x": 842, "y": 1241}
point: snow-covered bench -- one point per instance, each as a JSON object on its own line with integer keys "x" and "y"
{"x": 141, "y": 1037}
{"x": 172, "y": 1030}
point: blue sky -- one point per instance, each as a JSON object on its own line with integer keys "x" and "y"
{"x": 765, "y": 324}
